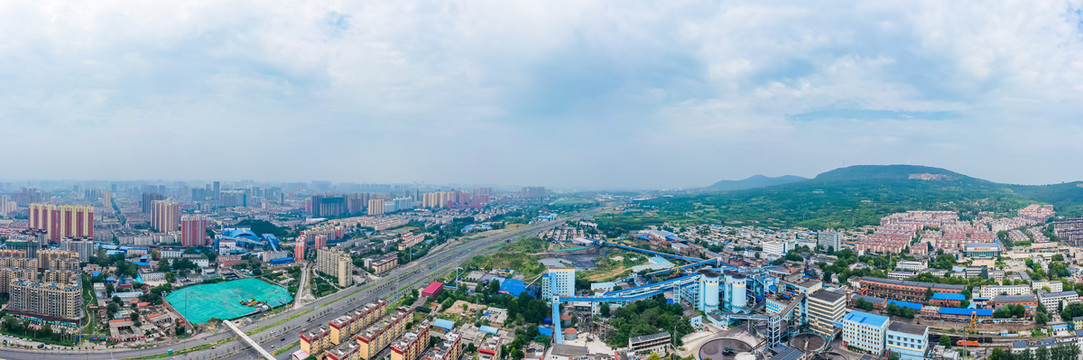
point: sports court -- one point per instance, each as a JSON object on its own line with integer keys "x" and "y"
{"x": 223, "y": 300}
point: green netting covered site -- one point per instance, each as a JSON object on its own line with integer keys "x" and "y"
{"x": 224, "y": 300}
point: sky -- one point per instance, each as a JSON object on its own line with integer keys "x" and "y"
{"x": 565, "y": 94}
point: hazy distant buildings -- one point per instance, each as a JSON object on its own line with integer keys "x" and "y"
{"x": 165, "y": 215}
{"x": 376, "y": 207}
{"x": 147, "y": 205}
{"x": 4, "y": 201}
{"x": 232, "y": 198}
{"x": 534, "y": 192}
{"x": 325, "y": 205}
{"x": 193, "y": 230}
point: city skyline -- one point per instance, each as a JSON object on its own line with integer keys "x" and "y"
{"x": 581, "y": 95}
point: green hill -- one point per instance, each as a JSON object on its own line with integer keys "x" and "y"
{"x": 848, "y": 197}
{"x": 755, "y": 181}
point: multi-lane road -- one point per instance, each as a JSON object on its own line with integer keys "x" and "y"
{"x": 401, "y": 280}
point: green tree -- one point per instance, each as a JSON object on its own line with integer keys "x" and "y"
{"x": 864, "y": 305}
{"x": 945, "y": 341}
{"x": 928, "y": 293}
{"x": 1041, "y": 318}
{"x": 605, "y": 309}
{"x": 1041, "y": 353}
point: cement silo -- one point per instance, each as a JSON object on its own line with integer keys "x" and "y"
{"x": 708, "y": 282}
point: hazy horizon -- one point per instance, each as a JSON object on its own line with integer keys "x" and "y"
{"x": 568, "y": 95}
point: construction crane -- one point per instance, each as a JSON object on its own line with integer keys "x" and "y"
{"x": 972, "y": 325}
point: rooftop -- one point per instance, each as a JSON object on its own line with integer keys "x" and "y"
{"x": 865, "y": 318}
{"x": 1015, "y": 298}
{"x": 790, "y": 353}
{"x": 638, "y": 339}
{"x": 914, "y": 283}
{"x": 872, "y": 299}
{"x": 1069, "y": 293}
{"x": 966, "y": 312}
{"x": 943, "y": 296}
{"x": 907, "y": 328}
{"x": 570, "y": 350}
{"x": 827, "y": 296}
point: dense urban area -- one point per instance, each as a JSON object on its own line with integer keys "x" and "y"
{"x": 320, "y": 270}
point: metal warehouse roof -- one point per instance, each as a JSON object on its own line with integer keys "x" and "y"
{"x": 961, "y": 311}
{"x": 908, "y": 304}
{"x": 943, "y": 296}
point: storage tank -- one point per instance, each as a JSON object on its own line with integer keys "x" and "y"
{"x": 739, "y": 299}
{"x": 565, "y": 320}
{"x": 571, "y": 334}
{"x": 709, "y": 285}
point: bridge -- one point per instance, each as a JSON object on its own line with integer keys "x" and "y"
{"x": 252, "y": 343}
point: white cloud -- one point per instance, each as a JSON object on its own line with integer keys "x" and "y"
{"x": 576, "y": 93}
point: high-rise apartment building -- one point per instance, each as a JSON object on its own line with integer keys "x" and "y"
{"x": 148, "y": 201}
{"x": 50, "y": 301}
{"x": 58, "y": 260}
{"x": 42, "y": 217}
{"x": 829, "y": 240}
{"x": 193, "y": 230}
{"x": 337, "y": 264}
{"x": 76, "y": 222}
{"x": 83, "y": 247}
{"x": 4, "y": 200}
{"x": 299, "y": 251}
{"x": 376, "y": 207}
{"x": 65, "y": 221}
{"x": 165, "y": 216}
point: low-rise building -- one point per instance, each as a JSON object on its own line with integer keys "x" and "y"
{"x": 411, "y": 344}
{"x": 992, "y": 291}
{"x": 1053, "y": 301}
{"x": 383, "y": 265}
{"x": 910, "y": 265}
{"x": 655, "y": 343}
{"x": 1054, "y": 286}
{"x": 1029, "y": 301}
{"x": 908, "y": 340}
{"x": 451, "y": 348}
{"x": 864, "y": 331}
{"x": 379, "y": 335}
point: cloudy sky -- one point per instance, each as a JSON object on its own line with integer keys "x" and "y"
{"x": 575, "y": 94}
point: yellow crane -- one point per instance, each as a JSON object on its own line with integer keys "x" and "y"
{"x": 972, "y": 325}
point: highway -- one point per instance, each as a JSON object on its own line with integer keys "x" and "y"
{"x": 391, "y": 287}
